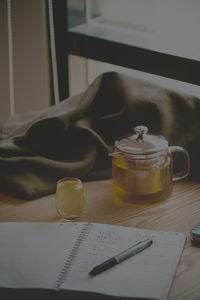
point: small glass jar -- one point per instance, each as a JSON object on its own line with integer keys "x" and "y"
{"x": 70, "y": 198}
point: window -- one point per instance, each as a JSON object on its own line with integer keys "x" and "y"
{"x": 159, "y": 37}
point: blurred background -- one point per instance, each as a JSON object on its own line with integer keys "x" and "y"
{"x": 162, "y": 36}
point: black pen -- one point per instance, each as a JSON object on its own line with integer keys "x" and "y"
{"x": 138, "y": 247}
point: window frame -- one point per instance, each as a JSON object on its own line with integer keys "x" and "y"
{"x": 133, "y": 57}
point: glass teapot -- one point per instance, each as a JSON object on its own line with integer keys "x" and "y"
{"x": 142, "y": 168}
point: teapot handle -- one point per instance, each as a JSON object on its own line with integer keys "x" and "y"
{"x": 186, "y": 166}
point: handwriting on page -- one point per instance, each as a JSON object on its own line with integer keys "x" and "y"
{"x": 151, "y": 269}
{"x": 104, "y": 244}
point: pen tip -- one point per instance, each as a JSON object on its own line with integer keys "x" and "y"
{"x": 91, "y": 273}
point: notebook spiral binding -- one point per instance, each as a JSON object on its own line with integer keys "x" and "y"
{"x": 71, "y": 257}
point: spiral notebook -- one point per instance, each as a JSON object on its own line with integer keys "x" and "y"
{"x": 59, "y": 256}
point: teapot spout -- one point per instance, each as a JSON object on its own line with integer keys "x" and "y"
{"x": 114, "y": 153}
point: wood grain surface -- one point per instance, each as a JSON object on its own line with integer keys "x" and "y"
{"x": 181, "y": 212}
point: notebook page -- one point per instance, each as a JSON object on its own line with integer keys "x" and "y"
{"x": 146, "y": 275}
{"x": 32, "y": 254}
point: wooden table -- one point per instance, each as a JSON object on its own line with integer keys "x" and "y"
{"x": 181, "y": 212}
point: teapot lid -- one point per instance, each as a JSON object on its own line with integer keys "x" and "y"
{"x": 141, "y": 142}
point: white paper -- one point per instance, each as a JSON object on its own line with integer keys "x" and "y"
{"x": 148, "y": 274}
{"x": 60, "y": 256}
{"x": 32, "y": 254}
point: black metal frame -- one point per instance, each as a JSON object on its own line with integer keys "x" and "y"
{"x": 138, "y": 58}
{"x": 61, "y": 45}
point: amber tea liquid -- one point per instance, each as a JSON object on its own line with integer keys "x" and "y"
{"x": 70, "y": 198}
{"x": 142, "y": 182}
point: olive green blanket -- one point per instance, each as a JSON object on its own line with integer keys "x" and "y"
{"x": 74, "y": 137}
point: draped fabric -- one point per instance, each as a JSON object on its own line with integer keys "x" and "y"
{"x": 74, "y": 137}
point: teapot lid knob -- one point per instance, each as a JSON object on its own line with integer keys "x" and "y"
{"x": 141, "y": 143}
{"x": 140, "y": 131}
